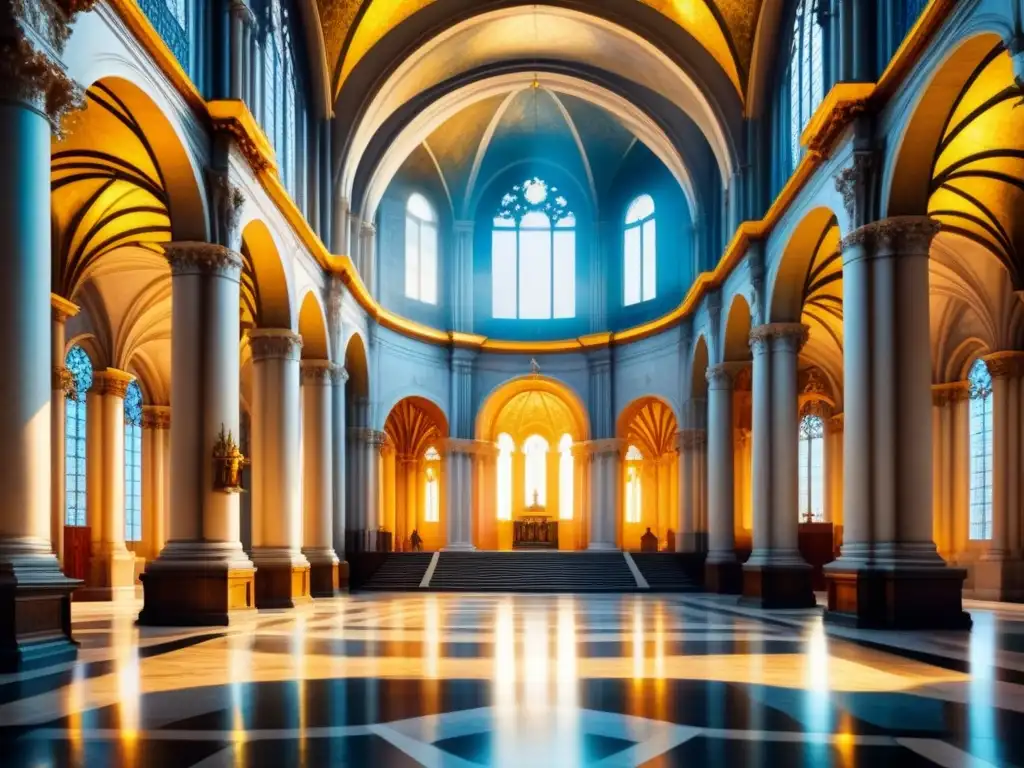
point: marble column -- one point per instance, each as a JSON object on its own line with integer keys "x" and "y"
{"x": 35, "y": 95}
{"x": 605, "y": 493}
{"x": 62, "y": 385}
{"x": 722, "y": 572}
{"x": 999, "y": 575}
{"x": 202, "y": 575}
{"x": 111, "y": 566}
{"x": 834, "y": 474}
{"x": 889, "y": 573}
{"x": 365, "y": 491}
{"x": 406, "y": 468}
{"x": 317, "y": 484}
{"x": 582, "y": 477}
{"x": 776, "y": 575}
{"x": 339, "y": 444}
{"x": 458, "y": 472}
{"x": 282, "y": 571}
{"x": 368, "y": 256}
{"x": 686, "y": 524}
{"x": 156, "y": 439}
{"x": 485, "y": 495}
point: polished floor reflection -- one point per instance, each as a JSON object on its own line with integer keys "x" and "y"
{"x": 561, "y": 681}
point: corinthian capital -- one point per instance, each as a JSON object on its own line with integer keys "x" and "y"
{"x": 192, "y": 258}
{"x": 274, "y": 343}
{"x": 900, "y": 235}
{"x": 771, "y": 334}
{"x": 225, "y": 210}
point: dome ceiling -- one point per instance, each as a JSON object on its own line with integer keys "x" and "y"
{"x": 475, "y": 145}
{"x": 725, "y": 28}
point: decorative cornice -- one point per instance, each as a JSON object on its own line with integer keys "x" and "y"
{"x": 156, "y": 417}
{"x": 953, "y": 392}
{"x": 900, "y": 235}
{"x": 62, "y": 308}
{"x": 765, "y": 336}
{"x": 1005, "y": 365}
{"x": 111, "y": 382}
{"x": 233, "y": 118}
{"x": 843, "y": 103}
{"x": 274, "y": 344}
{"x": 195, "y": 258}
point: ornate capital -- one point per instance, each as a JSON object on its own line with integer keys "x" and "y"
{"x": 836, "y": 423}
{"x": 608, "y": 447}
{"x": 63, "y": 380}
{"x": 156, "y": 417}
{"x": 721, "y": 376}
{"x": 232, "y": 118}
{"x": 62, "y": 308}
{"x": 813, "y": 406}
{"x": 317, "y": 373}
{"x": 226, "y": 201}
{"x": 900, "y": 235}
{"x": 111, "y": 382}
{"x": 1005, "y": 365}
{"x": 455, "y": 446}
{"x": 944, "y": 394}
{"x": 274, "y": 344}
{"x": 194, "y": 258}
{"x": 690, "y": 439}
{"x": 772, "y": 334}
{"x": 241, "y": 9}
{"x": 855, "y": 184}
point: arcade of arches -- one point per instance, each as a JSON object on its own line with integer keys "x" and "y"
{"x": 501, "y": 276}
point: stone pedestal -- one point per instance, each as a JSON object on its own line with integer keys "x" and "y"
{"x": 1001, "y": 580}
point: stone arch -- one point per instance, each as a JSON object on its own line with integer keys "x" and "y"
{"x": 266, "y": 298}
{"x": 357, "y": 388}
{"x": 649, "y": 420}
{"x": 313, "y": 328}
{"x": 561, "y": 396}
{"x": 736, "y": 336}
{"x": 698, "y": 369}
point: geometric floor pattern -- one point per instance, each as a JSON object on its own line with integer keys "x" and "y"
{"x": 524, "y": 681}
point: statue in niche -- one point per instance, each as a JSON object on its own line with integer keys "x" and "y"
{"x": 534, "y": 367}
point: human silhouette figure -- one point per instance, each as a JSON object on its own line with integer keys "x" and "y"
{"x": 417, "y": 541}
{"x": 648, "y": 542}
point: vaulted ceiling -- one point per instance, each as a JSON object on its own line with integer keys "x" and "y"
{"x": 725, "y": 28}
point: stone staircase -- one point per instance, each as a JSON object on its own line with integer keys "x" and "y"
{"x": 532, "y": 572}
{"x": 664, "y": 572}
{"x": 400, "y": 571}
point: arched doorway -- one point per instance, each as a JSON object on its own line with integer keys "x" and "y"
{"x": 533, "y": 490}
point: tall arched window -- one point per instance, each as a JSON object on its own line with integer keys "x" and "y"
{"x": 536, "y": 450}
{"x": 640, "y": 262}
{"x": 533, "y": 254}
{"x": 981, "y": 450}
{"x": 565, "y": 478}
{"x": 420, "y": 250}
{"x": 280, "y": 91}
{"x": 806, "y": 75}
{"x": 133, "y": 463}
{"x": 506, "y": 447}
{"x": 80, "y": 366}
{"x": 432, "y": 458}
{"x": 812, "y": 470}
{"x": 634, "y": 462}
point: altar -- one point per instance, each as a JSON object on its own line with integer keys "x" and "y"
{"x": 535, "y": 532}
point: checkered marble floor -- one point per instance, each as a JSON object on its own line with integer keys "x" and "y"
{"x": 560, "y": 681}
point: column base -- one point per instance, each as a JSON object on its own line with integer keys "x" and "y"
{"x": 895, "y": 598}
{"x": 198, "y": 583}
{"x": 323, "y": 572}
{"x": 999, "y": 580}
{"x": 35, "y": 602}
{"x": 778, "y": 585}
{"x": 458, "y": 548}
{"x": 282, "y": 578}
{"x": 723, "y": 578}
{"x": 111, "y": 577}
{"x": 600, "y": 546}
{"x": 343, "y": 575}
{"x": 692, "y": 542}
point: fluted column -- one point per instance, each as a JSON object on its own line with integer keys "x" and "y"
{"x": 282, "y": 571}
{"x": 202, "y": 576}
{"x": 605, "y": 493}
{"x": 62, "y": 386}
{"x": 584, "y": 512}
{"x": 485, "y": 535}
{"x": 365, "y": 492}
{"x": 458, "y": 471}
{"x": 156, "y": 427}
{"x": 461, "y": 297}
{"x": 722, "y": 569}
{"x": 368, "y": 255}
{"x": 339, "y": 444}
{"x": 242, "y": 20}
{"x": 317, "y": 484}
{"x": 686, "y": 524}
{"x": 776, "y": 575}
{"x": 889, "y": 573}
{"x": 405, "y": 492}
{"x": 834, "y": 473}
{"x": 35, "y": 95}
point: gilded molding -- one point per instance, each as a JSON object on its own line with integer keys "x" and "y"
{"x": 275, "y": 344}
{"x": 954, "y": 392}
{"x": 836, "y": 423}
{"x": 156, "y": 417}
{"x": 63, "y": 380}
{"x": 61, "y": 308}
{"x": 899, "y": 235}
{"x": 111, "y": 382}
{"x": 195, "y": 258}
{"x": 232, "y": 117}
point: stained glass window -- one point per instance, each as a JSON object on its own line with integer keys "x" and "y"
{"x": 565, "y": 478}
{"x": 133, "y": 463}
{"x": 433, "y": 494}
{"x": 506, "y": 447}
{"x": 640, "y": 262}
{"x": 533, "y": 254}
{"x": 806, "y": 73}
{"x": 812, "y": 470}
{"x": 634, "y": 499}
{"x": 980, "y": 381}
{"x": 420, "y": 250}
{"x": 536, "y": 450}
{"x": 75, "y": 511}
{"x": 179, "y": 9}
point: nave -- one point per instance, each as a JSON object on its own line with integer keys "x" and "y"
{"x": 440, "y": 680}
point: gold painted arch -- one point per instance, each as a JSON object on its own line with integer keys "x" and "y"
{"x": 413, "y": 425}
{"x": 533, "y": 404}
{"x": 650, "y": 424}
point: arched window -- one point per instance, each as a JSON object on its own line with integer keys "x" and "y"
{"x": 634, "y": 499}
{"x": 506, "y": 447}
{"x": 536, "y": 450}
{"x": 565, "y": 478}
{"x": 420, "y": 250}
{"x": 433, "y": 492}
{"x": 812, "y": 470}
{"x": 80, "y": 366}
{"x": 133, "y": 463}
{"x": 806, "y": 75}
{"x": 533, "y": 254}
{"x": 981, "y": 450}
{"x": 280, "y": 91}
{"x": 640, "y": 263}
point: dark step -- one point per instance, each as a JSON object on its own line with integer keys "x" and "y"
{"x": 665, "y": 571}
{"x": 400, "y": 571}
{"x": 533, "y": 572}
